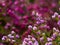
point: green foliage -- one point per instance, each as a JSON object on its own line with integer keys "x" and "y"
{"x": 31, "y": 1}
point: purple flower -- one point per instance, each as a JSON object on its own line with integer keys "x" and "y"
{"x": 50, "y": 43}
{"x": 46, "y": 43}
{"x": 49, "y": 39}
{"x": 17, "y": 36}
{"x": 36, "y": 43}
{"x": 4, "y": 37}
{"x": 54, "y": 35}
{"x": 58, "y": 22}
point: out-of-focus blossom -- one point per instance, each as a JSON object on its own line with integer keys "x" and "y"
{"x": 17, "y": 36}
{"x": 30, "y": 26}
{"x": 34, "y": 28}
{"x": 30, "y": 41}
{"x": 58, "y": 22}
{"x": 49, "y": 39}
{"x": 12, "y": 32}
{"x": 42, "y": 38}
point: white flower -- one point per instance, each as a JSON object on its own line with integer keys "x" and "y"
{"x": 56, "y": 14}
{"x": 3, "y": 38}
{"x": 12, "y": 32}
{"x": 9, "y": 39}
{"x": 24, "y": 43}
{"x": 30, "y": 42}
{"x": 49, "y": 39}
{"x": 25, "y": 39}
{"x": 43, "y": 33}
{"x": 53, "y": 16}
{"x": 13, "y": 41}
{"x": 37, "y": 14}
{"x": 34, "y": 28}
{"x": 33, "y": 12}
{"x": 42, "y": 38}
{"x": 54, "y": 28}
{"x": 9, "y": 35}
{"x": 50, "y": 43}
{"x": 33, "y": 39}
{"x": 29, "y": 36}
{"x": 37, "y": 22}
{"x": 57, "y": 30}
{"x": 30, "y": 27}
{"x": 36, "y": 43}
{"x": 46, "y": 43}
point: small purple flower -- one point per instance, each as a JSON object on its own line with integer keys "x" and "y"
{"x": 42, "y": 21}
{"x": 36, "y": 43}
{"x": 58, "y": 22}
{"x": 46, "y": 43}
{"x": 17, "y": 36}
{"x": 11, "y": 37}
{"x": 4, "y": 38}
{"x": 50, "y": 43}
{"x": 49, "y": 39}
{"x": 38, "y": 32}
{"x": 54, "y": 35}
{"x": 30, "y": 43}
{"x": 56, "y": 14}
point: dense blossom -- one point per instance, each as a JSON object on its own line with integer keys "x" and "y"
{"x": 30, "y": 22}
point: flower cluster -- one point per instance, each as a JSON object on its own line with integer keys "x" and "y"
{"x": 30, "y": 22}
{"x": 30, "y": 40}
{"x": 12, "y": 37}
